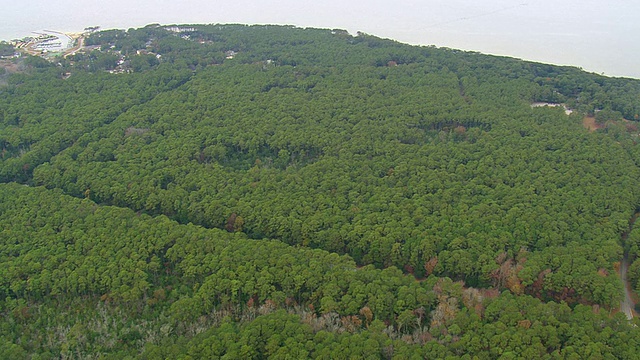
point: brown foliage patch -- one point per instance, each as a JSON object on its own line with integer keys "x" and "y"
{"x": 430, "y": 265}
{"x": 603, "y": 272}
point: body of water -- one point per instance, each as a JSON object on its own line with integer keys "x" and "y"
{"x": 595, "y": 35}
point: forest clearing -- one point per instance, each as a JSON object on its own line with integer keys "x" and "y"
{"x": 589, "y": 122}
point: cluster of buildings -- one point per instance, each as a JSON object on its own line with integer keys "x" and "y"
{"x": 180, "y": 29}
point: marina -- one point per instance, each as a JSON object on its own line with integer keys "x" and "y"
{"x": 49, "y": 42}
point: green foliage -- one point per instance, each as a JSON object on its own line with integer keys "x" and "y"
{"x": 37, "y": 62}
{"x": 6, "y": 49}
{"x": 266, "y": 191}
{"x": 403, "y": 183}
{"x": 605, "y": 115}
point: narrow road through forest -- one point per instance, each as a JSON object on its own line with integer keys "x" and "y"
{"x": 626, "y": 305}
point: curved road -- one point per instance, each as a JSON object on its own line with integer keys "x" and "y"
{"x": 626, "y": 305}
{"x": 79, "y": 45}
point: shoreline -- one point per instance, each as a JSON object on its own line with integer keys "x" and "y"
{"x": 619, "y": 73}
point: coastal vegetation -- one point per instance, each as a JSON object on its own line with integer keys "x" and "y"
{"x": 6, "y": 49}
{"x": 208, "y": 191}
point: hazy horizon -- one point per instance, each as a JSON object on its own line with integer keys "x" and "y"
{"x": 598, "y": 37}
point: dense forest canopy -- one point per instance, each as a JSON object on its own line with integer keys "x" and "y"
{"x": 204, "y": 191}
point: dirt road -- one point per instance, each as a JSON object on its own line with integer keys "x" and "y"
{"x": 626, "y": 305}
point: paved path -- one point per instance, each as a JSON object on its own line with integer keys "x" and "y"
{"x": 73, "y": 50}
